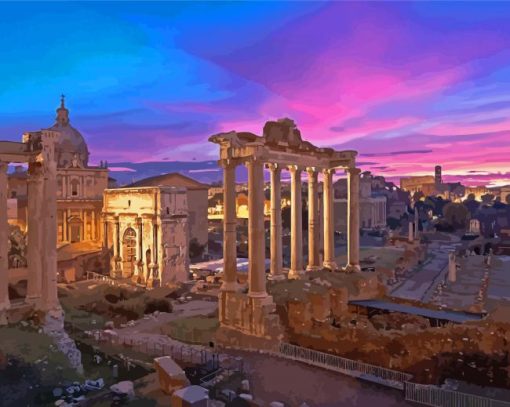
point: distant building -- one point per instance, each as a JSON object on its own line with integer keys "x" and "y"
{"x": 372, "y": 207}
{"x": 197, "y": 194}
{"x": 505, "y": 194}
{"x": 417, "y": 184}
{"x": 478, "y": 192}
{"x": 146, "y": 230}
{"x": 79, "y": 185}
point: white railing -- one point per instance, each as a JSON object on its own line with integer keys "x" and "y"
{"x": 388, "y": 377}
{"x": 438, "y": 397}
{"x": 92, "y": 275}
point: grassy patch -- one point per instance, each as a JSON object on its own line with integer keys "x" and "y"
{"x": 86, "y": 303}
{"x": 199, "y": 329}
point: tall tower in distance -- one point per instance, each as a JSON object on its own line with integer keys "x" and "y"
{"x": 437, "y": 176}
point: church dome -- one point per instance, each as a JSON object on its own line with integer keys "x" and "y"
{"x": 71, "y": 149}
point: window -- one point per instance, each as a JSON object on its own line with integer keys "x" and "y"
{"x": 74, "y": 187}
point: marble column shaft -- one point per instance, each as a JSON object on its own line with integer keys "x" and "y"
{"x": 229, "y": 227}
{"x": 296, "y": 255}
{"x": 4, "y": 236}
{"x": 35, "y": 231}
{"x": 329, "y": 223}
{"x": 313, "y": 221}
{"x": 49, "y": 212}
{"x": 276, "y": 223}
{"x": 353, "y": 219}
{"x": 256, "y": 232}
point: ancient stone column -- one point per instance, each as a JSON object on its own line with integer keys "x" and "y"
{"x": 313, "y": 221}
{"x": 296, "y": 227}
{"x": 65, "y": 226}
{"x": 35, "y": 233}
{"x": 416, "y": 223}
{"x": 105, "y": 231}
{"x": 93, "y": 225}
{"x": 353, "y": 220}
{"x": 154, "y": 278}
{"x": 276, "y": 272}
{"x": 229, "y": 227}
{"x": 49, "y": 298}
{"x": 117, "y": 271}
{"x": 410, "y": 233}
{"x": 139, "y": 251}
{"x": 452, "y": 267}
{"x": 256, "y": 235}
{"x": 329, "y": 222}
{"x": 4, "y": 249}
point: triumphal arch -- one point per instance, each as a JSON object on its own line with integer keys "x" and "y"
{"x": 38, "y": 151}
{"x": 280, "y": 148}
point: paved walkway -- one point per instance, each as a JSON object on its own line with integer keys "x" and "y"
{"x": 425, "y": 277}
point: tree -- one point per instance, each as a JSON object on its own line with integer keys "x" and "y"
{"x": 195, "y": 249}
{"x": 455, "y": 215}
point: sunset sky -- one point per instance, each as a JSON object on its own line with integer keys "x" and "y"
{"x": 408, "y": 85}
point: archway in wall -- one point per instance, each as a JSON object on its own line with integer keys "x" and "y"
{"x": 75, "y": 225}
{"x": 128, "y": 252}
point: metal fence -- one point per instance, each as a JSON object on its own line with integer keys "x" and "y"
{"x": 185, "y": 354}
{"x": 438, "y": 397}
{"x": 388, "y": 377}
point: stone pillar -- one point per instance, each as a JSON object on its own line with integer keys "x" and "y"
{"x": 296, "y": 249}
{"x": 105, "y": 232}
{"x": 155, "y": 278}
{"x": 49, "y": 298}
{"x": 276, "y": 272}
{"x": 256, "y": 235}
{"x": 416, "y": 223}
{"x": 4, "y": 249}
{"x": 329, "y": 221}
{"x": 138, "y": 275}
{"x": 93, "y": 225}
{"x": 229, "y": 227}
{"x": 86, "y": 235}
{"x": 35, "y": 233}
{"x": 452, "y": 267}
{"x": 65, "y": 226}
{"x": 313, "y": 221}
{"x": 410, "y": 232}
{"x": 353, "y": 220}
{"x": 117, "y": 259}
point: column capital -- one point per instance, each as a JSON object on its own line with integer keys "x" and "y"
{"x": 228, "y": 163}
{"x": 294, "y": 169}
{"x": 274, "y": 167}
{"x": 353, "y": 170}
{"x": 328, "y": 171}
{"x": 312, "y": 172}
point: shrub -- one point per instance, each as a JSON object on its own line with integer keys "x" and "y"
{"x": 161, "y": 305}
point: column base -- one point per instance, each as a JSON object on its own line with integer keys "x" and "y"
{"x": 231, "y": 286}
{"x": 276, "y": 277}
{"x": 257, "y": 294}
{"x": 5, "y": 305}
{"x": 116, "y": 273}
{"x": 313, "y": 268}
{"x": 295, "y": 274}
{"x": 351, "y": 268}
{"x": 153, "y": 283}
{"x": 4, "y": 320}
{"x": 330, "y": 265}
{"x": 33, "y": 300}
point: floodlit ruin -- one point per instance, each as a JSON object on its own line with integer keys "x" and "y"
{"x": 280, "y": 148}
{"x": 38, "y": 151}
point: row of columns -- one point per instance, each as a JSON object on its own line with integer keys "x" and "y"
{"x": 41, "y": 239}
{"x": 256, "y": 231}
